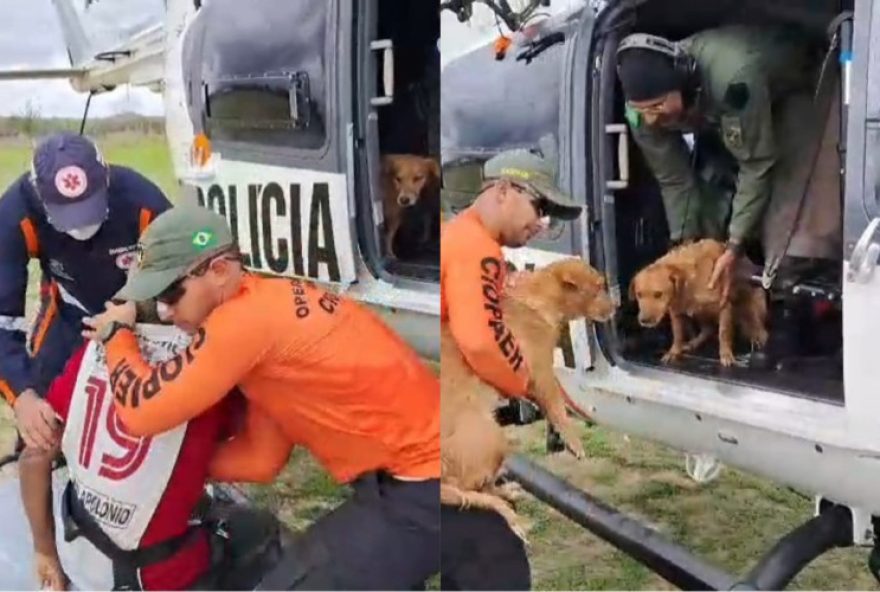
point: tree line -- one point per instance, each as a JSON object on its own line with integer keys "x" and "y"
{"x": 29, "y": 124}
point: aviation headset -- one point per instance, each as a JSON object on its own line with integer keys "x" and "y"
{"x": 682, "y": 63}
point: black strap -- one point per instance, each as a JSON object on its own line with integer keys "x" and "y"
{"x": 78, "y": 521}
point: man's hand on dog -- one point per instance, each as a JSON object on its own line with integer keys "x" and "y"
{"x": 722, "y": 273}
{"x": 515, "y": 278}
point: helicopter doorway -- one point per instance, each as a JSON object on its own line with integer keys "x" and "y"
{"x": 804, "y": 357}
{"x": 399, "y": 118}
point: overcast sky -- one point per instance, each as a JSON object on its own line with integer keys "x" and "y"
{"x": 457, "y": 39}
{"x": 30, "y": 37}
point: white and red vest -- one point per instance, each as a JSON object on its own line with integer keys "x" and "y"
{"x": 120, "y": 478}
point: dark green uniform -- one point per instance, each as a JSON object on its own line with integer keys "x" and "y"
{"x": 747, "y": 76}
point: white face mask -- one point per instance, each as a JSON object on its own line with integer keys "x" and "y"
{"x": 164, "y": 312}
{"x": 84, "y": 233}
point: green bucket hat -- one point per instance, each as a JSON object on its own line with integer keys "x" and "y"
{"x": 522, "y": 166}
{"x": 177, "y": 239}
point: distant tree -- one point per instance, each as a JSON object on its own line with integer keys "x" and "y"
{"x": 29, "y": 119}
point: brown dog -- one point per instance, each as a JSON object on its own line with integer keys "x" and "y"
{"x": 405, "y": 180}
{"x": 677, "y": 284}
{"x": 473, "y": 446}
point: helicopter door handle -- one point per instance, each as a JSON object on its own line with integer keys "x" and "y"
{"x": 863, "y": 260}
{"x": 622, "y": 155}
{"x": 387, "y": 48}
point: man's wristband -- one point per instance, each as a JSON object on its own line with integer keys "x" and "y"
{"x": 735, "y": 246}
{"x": 110, "y": 330}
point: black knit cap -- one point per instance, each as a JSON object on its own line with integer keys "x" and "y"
{"x": 646, "y": 74}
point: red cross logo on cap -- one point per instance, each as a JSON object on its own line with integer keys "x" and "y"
{"x": 71, "y": 181}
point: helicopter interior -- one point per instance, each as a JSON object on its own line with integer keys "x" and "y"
{"x": 411, "y": 125}
{"x": 804, "y": 354}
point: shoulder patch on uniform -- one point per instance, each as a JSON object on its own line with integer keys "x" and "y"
{"x": 737, "y": 95}
{"x": 731, "y": 128}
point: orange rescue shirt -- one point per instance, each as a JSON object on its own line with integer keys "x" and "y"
{"x": 472, "y": 272}
{"x": 326, "y": 370}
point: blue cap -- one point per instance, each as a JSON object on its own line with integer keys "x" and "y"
{"x": 71, "y": 179}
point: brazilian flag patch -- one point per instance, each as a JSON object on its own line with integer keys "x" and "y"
{"x": 203, "y": 239}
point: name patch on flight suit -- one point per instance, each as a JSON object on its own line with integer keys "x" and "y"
{"x": 732, "y": 129}
{"x": 736, "y": 97}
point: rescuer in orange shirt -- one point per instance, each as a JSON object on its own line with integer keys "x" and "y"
{"x": 318, "y": 370}
{"x": 518, "y": 200}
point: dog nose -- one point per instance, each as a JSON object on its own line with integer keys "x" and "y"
{"x": 404, "y": 200}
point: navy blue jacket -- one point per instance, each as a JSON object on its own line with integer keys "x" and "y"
{"x": 82, "y": 275}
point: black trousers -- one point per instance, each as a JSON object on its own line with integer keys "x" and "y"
{"x": 480, "y": 552}
{"x": 386, "y": 537}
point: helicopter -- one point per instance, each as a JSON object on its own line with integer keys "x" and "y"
{"x": 550, "y": 64}
{"x": 804, "y": 420}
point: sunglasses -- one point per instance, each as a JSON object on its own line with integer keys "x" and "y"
{"x": 538, "y": 201}
{"x": 656, "y": 108}
{"x": 175, "y": 291}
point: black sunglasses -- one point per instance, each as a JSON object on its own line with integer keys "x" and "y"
{"x": 176, "y": 289}
{"x": 538, "y": 201}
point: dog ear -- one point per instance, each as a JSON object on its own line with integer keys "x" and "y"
{"x": 677, "y": 278}
{"x": 567, "y": 278}
{"x": 632, "y": 288}
{"x": 570, "y": 284}
{"x": 387, "y": 164}
{"x": 433, "y": 167}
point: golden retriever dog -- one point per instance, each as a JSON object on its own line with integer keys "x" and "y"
{"x": 473, "y": 446}
{"x": 677, "y": 285}
{"x": 406, "y": 177}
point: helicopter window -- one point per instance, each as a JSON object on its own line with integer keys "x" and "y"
{"x": 873, "y": 102}
{"x": 264, "y": 80}
{"x": 872, "y": 137}
{"x": 108, "y": 24}
{"x": 489, "y": 106}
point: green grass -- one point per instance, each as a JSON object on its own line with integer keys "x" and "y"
{"x": 730, "y": 522}
{"x": 149, "y": 155}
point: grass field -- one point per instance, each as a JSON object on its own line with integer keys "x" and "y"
{"x": 146, "y": 154}
{"x": 730, "y": 521}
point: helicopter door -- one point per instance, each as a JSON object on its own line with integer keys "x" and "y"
{"x": 265, "y": 92}
{"x": 489, "y": 106}
{"x": 396, "y": 73}
{"x": 861, "y": 280}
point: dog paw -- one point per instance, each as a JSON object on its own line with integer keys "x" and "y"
{"x": 672, "y": 355}
{"x": 726, "y": 358}
{"x": 520, "y": 528}
{"x": 515, "y": 522}
{"x": 760, "y": 340}
{"x": 511, "y": 492}
{"x": 520, "y": 531}
{"x": 576, "y": 447}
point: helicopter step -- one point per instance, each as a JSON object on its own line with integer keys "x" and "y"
{"x": 831, "y": 528}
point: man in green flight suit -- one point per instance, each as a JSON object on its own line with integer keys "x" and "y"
{"x": 736, "y": 83}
